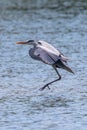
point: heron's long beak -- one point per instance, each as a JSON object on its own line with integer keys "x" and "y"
{"x": 21, "y": 42}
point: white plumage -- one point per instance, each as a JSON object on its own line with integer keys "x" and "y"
{"x": 46, "y": 53}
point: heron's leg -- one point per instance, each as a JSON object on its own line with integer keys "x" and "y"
{"x": 47, "y": 85}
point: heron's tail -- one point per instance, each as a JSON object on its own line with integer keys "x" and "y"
{"x": 62, "y": 65}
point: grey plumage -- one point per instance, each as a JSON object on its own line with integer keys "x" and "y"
{"x": 46, "y": 53}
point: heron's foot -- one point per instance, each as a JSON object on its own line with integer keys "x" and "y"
{"x": 47, "y": 85}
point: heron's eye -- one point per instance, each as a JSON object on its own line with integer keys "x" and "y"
{"x": 39, "y": 43}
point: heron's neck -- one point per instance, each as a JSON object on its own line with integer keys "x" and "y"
{"x": 34, "y": 45}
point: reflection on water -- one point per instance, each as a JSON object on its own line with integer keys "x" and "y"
{"x": 22, "y": 105}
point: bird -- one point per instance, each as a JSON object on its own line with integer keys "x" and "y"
{"x": 46, "y": 53}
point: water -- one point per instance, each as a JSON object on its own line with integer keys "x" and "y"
{"x": 22, "y": 105}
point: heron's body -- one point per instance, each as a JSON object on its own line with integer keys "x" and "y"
{"x": 46, "y": 53}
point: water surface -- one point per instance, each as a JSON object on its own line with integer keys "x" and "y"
{"x": 22, "y": 105}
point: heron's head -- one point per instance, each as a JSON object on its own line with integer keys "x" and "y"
{"x": 30, "y": 42}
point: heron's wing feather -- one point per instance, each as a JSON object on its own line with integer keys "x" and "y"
{"x": 46, "y": 55}
{"x": 53, "y": 49}
{"x": 49, "y": 46}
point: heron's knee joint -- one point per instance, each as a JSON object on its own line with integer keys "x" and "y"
{"x": 60, "y": 77}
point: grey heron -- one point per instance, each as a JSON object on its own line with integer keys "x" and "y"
{"x": 45, "y": 52}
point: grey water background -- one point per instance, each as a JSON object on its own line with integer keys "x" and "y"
{"x": 22, "y": 106}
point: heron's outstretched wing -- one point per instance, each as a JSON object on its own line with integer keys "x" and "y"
{"x": 47, "y": 55}
{"x": 53, "y": 49}
{"x": 49, "y": 46}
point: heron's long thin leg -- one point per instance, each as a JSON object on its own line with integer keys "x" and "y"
{"x": 47, "y": 85}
